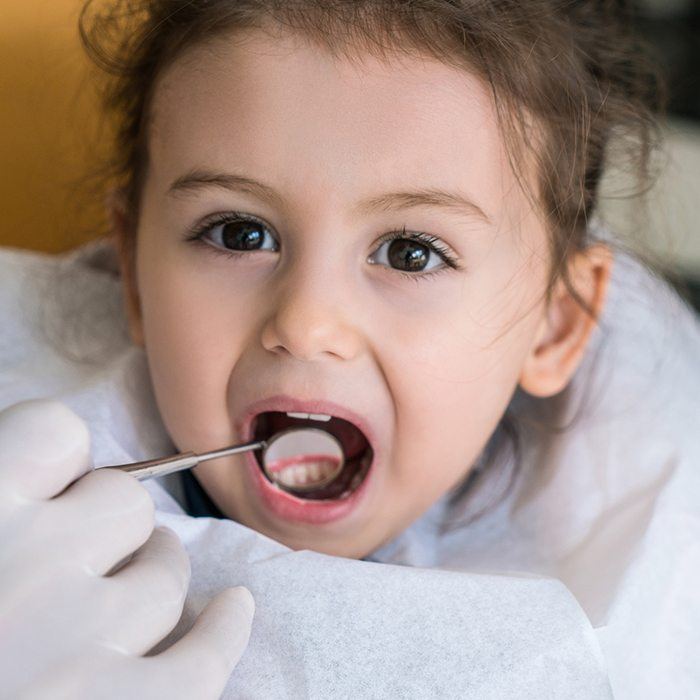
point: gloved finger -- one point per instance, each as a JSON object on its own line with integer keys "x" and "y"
{"x": 147, "y": 595}
{"x": 44, "y": 446}
{"x": 197, "y": 666}
{"x": 117, "y": 613}
{"x": 201, "y": 662}
{"x": 96, "y": 522}
{"x": 46, "y": 624}
{"x": 102, "y": 518}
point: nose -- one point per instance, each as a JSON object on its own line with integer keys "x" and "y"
{"x": 312, "y": 319}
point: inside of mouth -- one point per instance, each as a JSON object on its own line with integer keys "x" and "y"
{"x": 300, "y": 474}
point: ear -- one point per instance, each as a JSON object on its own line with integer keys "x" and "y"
{"x": 124, "y": 237}
{"x": 564, "y": 332}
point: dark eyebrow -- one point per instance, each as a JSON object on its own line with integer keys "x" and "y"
{"x": 431, "y": 197}
{"x": 198, "y": 178}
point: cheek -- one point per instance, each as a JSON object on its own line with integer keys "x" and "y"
{"x": 192, "y": 338}
{"x": 454, "y": 377}
{"x": 451, "y": 407}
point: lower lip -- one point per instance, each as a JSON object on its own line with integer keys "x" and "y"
{"x": 290, "y": 508}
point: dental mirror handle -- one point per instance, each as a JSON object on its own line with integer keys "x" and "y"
{"x": 167, "y": 465}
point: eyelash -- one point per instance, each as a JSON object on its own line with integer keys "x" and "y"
{"x": 196, "y": 235}
{"x": 431, "y": 242}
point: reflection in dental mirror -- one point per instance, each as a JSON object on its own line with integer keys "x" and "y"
{"x": 302, "y": 459}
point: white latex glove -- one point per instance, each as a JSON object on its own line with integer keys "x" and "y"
{"x": 69, "y": 630}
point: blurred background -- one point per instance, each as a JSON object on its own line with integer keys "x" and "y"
{"x": 50, "y": 135}
{"x": 672, "y": 230}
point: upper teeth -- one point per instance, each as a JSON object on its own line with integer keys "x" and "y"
{"x": 310, "y": 416}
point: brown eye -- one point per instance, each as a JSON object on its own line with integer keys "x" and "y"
{"x": 407, "y": 255}
{"x": 412, "y": 253}
{"x": 238, "y": 235}
{"x": 242, "y": 235}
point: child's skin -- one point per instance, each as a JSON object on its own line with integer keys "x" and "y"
{"x": 431, "y": 362}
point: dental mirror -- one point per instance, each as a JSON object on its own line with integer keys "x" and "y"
{"x": 302, "y": 459}
{"x": 296, "y": 460}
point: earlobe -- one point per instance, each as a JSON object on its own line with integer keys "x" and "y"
{"x": 124, "y": 237}
{"x": 563, "y": 334}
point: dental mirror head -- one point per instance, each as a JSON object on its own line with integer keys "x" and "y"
{"x": 300, "y": 460}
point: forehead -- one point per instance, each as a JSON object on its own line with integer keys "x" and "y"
{"x": 286, "y": 111}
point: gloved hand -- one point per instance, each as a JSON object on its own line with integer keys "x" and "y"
{"x": 75, "y": 620}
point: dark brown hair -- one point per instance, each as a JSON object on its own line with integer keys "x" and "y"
{"x": 566, "y": 76}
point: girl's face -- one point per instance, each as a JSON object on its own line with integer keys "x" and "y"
{"x": 325, "y": 159}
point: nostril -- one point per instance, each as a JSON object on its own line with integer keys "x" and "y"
{"x": 311, "y": 328}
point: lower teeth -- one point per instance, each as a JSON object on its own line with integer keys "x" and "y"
{"x": 307, "y": 475}
{"x": 352, "y": 486}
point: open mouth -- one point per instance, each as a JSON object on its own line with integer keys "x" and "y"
{"x": 297, "y": 478}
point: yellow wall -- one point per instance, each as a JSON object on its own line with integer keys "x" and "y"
{"x": 48, "y": 127}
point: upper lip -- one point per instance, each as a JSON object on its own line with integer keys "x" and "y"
{"x": 285, "y": 403}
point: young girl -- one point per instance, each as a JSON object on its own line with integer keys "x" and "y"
{"x": 377, "y": 217}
